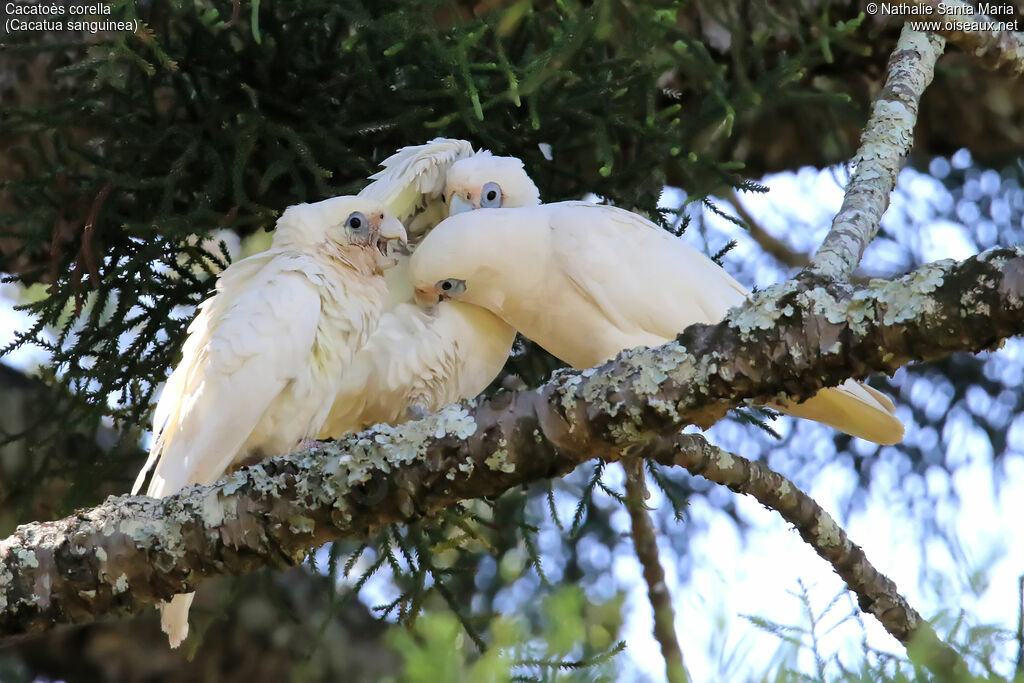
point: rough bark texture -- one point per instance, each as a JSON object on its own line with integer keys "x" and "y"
{"x": 791, "y": 340}
{"x": 1002, "y": 50}
{"x": 884, "y": 147}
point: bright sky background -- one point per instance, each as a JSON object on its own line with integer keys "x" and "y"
{"x": 757, "y": 574}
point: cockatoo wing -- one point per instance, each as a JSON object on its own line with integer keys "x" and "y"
{"x": 244, "y": 347}
{"x": 669, "y": 287}
{"x": 413, "y": 178}
{"x": 411, "y": 185}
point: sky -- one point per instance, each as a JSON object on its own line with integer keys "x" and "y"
{"x": 764, "y": 572}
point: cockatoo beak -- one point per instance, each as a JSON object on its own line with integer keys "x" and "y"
{"x": 390, "y": 228}
{"x": 427, "y": 297}
{"x": 458, "y": 205}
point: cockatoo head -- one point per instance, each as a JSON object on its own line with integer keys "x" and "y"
{"x": 484, "y": 181}
{"x": 453, "y": 262}
{"x": 339, "y": 223}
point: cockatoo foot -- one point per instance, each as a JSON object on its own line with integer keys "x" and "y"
{"x": 307, "y": 445}
{"x": 416, "y": 412}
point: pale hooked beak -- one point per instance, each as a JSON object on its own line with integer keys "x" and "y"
{"x": 458, "y": 205}
{"x": 427, "y": 296}
{"x": 390, "y": 228}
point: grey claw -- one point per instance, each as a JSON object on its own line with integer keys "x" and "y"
{"x": 416, "y": 412}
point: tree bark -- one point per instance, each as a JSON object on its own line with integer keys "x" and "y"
{"x": 884, "y": 147}
{"x": 992, "y": 45}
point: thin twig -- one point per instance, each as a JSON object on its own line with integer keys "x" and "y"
{"x": 778, "y": 249}
{"x": 876, "y": 593}
{"x": 645, "y": 545}
{"x": 1020, "y": 628}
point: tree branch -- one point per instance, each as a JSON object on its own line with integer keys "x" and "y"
{"x": 1001, "y": 50}
{"x": 645, "y": 546}
{"x": 877, "y": 594}
{"x": 791, "y": 340}
{"x": 884, "y": 146}
{"x": 773, "y": 246}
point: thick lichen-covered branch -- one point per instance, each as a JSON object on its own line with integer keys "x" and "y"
{"x": 876, "y": 593}
{"x": 884, "y": 146}
{"x": 994, "y": 41}
{"x": 789, "y": 342}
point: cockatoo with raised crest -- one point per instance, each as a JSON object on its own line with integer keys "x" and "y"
{"x": 419, "y": 361}
{"x": 266, "y": 354}
{"x": 586, "y": 281}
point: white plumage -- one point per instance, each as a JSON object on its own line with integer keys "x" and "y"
{"x": 586, "y": 281}
{"x": 419, "y": 361}
{"x": 265, "y": 354}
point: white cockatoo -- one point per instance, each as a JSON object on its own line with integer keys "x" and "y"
{"x": 586, "y": 281}
{"x": 419, "y": 361}
{"x": 267, "y": 352}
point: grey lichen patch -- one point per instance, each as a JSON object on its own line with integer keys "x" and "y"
{"x": 101, "y": 554}
{"x": 234, "y": 482}
{"x": 891, "y": 135}
{"x": 860, "y": 309}
{"x": 594, "y": 390}
{"x": 498, "y": 460}
{"x": 784, "y": 489}
{"x": 971, "y": 304}
{"x": 6, "y": 577}
{"x": 761, "y": 312}
{"x": 626, "y": 433}
{"x": 387, "y": 448}
{"x": 121, "y": 585}
{"x": 141, "y": 530}
{"x": 263, "y": 482}
{"x": 724, "y": 459}
{"x": 664, "y": 408}
{"x": 906, "y": 298}
{"x": 829, "y": 533}
{"x": 568, "y": 395}
{"x": 647, "y": 378}
{"x": 820, "y": 302}
{"x": 27, "y": 557}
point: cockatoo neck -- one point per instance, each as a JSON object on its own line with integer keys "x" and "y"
{"x": 363, "y": 260}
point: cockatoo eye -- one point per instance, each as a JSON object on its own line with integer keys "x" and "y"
{"x": 451, "y": 287}
{"x": 490, "y": 196}
{"x": 357, "y": 223}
